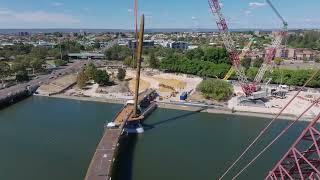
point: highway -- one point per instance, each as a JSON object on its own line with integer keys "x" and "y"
{"x": 44, "y": 79}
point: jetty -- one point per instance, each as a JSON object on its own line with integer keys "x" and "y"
{"x": 102, "y": 162}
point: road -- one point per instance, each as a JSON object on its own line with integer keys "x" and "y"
{"x": 44, "y": 79}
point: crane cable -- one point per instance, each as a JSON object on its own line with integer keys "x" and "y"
{"x": 270, "y": 123}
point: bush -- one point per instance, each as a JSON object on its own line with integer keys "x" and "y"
{"x": 101, "y": 77}
{"x": 90, "y": 70}
{"x": 22, "y": 76}
{"x": 216, "y": 89}
{"x": 60, "y": 63}
{"x": 82, "y": 79}
{"x": 117, "y": 53}
{"x": 278, "y": 61}
{"x": 121, "y": 74}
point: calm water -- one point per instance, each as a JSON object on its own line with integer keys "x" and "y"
{"x": 54, "y": 139}
{"x": 50, "y": 139}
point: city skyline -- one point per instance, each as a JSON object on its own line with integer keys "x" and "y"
{"x": 191, "y": 14}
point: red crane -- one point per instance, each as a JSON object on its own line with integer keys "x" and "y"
{"x": 271, "y": 52}
{"x": 302, "y": 161}
{"x": 247, "y": 87}
{"x": 136, "y": 18}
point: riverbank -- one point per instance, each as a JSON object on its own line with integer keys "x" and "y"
{"x": 189, "y": 107}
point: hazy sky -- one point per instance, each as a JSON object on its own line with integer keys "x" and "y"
{"x": 159, "y": 13}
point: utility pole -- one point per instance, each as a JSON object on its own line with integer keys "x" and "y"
{"x": 139, "y": 59}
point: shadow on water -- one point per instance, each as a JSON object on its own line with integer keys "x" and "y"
{"x": 148, "y": 127}
{"x": 122, "y": 169}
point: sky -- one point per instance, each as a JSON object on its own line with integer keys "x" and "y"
{"x": 118, "y": 14}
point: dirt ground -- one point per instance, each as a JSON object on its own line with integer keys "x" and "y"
{"x": 143, "y": 85}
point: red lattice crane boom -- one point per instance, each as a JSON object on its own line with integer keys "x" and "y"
{"x": 248, "y": 88}
{"x": 271, "y": 52}
{"x": 302, "y": 161}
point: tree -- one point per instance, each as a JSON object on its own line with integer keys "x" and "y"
{"x": 101, "y": 77}
{"x": 215, "y": 89}
{"x": 117, "y": 52}
{"x": 127, "y": 61}
{"x": 278, "y": 61}
{"x": 90, "y": 70}
{"x": 4, "y": 71}
{"x": 55, "y": 53}
{"x": 36, "y": 63}
{"x": 60, "y": 62}
{"x": 39, "y": 52}
{"x": 22, "y": 76}
{"x": 257, "y": 62}
{"x": 82, "y": 79}
{"x": 252, "y": 72}
{"x": 121, "y": 74}
{"x": 317, "y": 60}
{"x": 96, "y": 45}
{"x": 246, "y": 62}
{"x": 130, "y": 62}
{"x": 153, "y": 61}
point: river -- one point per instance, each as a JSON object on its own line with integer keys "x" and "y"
{"x": 54, "y": 139}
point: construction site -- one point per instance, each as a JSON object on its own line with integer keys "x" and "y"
{"x": 302, "y": 161}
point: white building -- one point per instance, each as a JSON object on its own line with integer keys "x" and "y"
{"x": 46, "y": 44}
{"x": 175, "y": 45}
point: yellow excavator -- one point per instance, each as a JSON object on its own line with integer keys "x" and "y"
{"x": 244, "y": 52}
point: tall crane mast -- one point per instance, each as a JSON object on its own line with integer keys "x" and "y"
{"x": 271, "y": 52}
{"x": 244, "y": 52}
{"x": 248, "y": 88}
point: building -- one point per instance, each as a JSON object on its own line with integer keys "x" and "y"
{"x": 23, "y": 34}
{"x": 256, "y": 54}
{"x": 190, "y": 47}
{"x": 175, "y": 45}
{"x": 46, "y": 44}
{"x": 86, "y": 55}
{"x": 297, "y": 54}
{"x": 132, "y": 44}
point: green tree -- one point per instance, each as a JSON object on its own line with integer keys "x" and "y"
{"x": 96, "y": 45}
{"x": 55, "y": 53}
{"x": 252, "y": 72}
{"x": 82, "y": 80}
{"x": 130, "y": 62}
{"x": 278, "y": 61}
{"x": 4, "y": 71}
{"x": 90, "y": 70}
{"x": 121, "y": 74}
{"x": 101, "y": 77}
{"x": 216, "y": 89}
{"x": 36, "y": 63}
{"x": 246, "y": 62}
{"x": 117, "y": 53}
{"x": 22, "y": 76}
{"x": 127, "y": 61}
{"x": 257, "y": 62}
{"x": 39, "y": 52}
{"x": 153, "y": 61}
{"x": 317, "y": 60}
{"x": 60, "y": 62}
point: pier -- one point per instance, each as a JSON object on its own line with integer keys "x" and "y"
{"x": 101, "y": 164}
